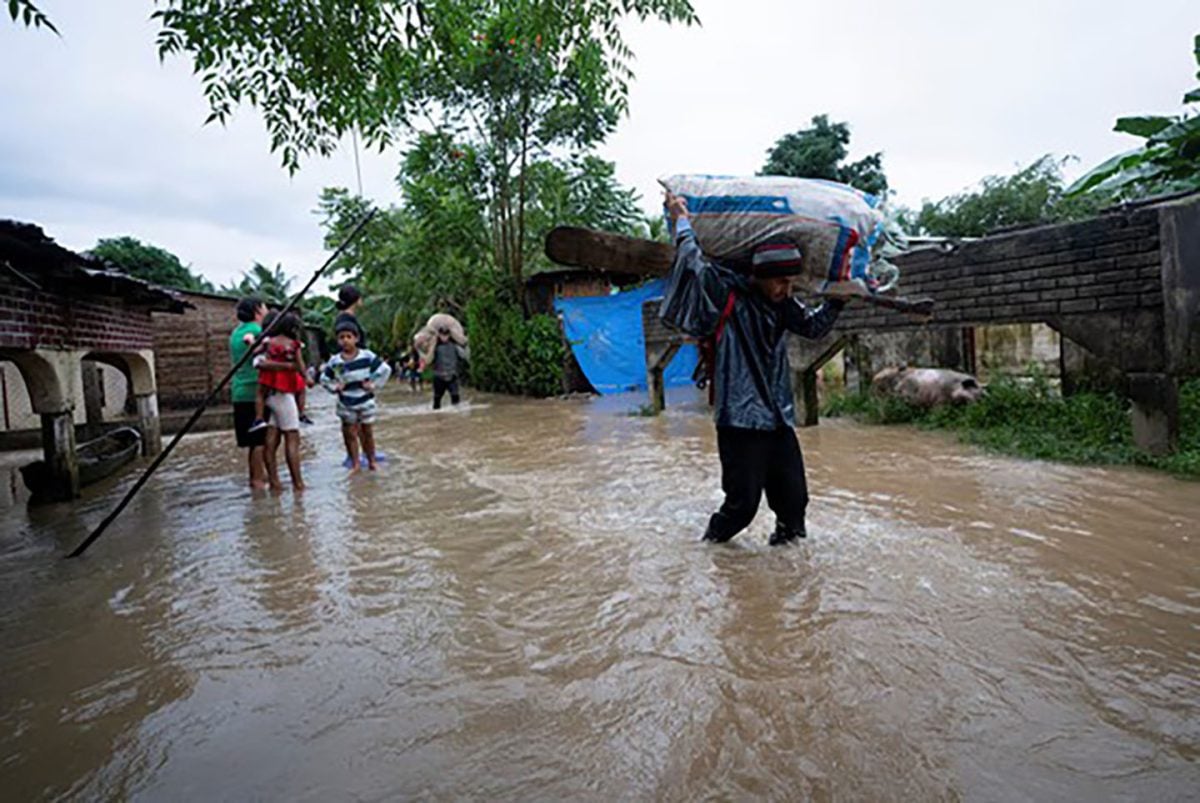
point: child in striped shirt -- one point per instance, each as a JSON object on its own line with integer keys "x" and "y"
{"x": 354, "y": 374}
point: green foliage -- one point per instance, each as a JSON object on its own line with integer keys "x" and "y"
{"x": 511, "y": 353}
{"x": 412, "y": 261}
{"x": 26, "y": 12}
{"x": 319, "y": 312}
{"x": 319, "y": 69}
{"x": 582, "y": 192}
{"x": 432, "y": 253}
{"x": 817, "y": 152}
{"x": 1168, "y": 161}
{"x": 1033, "y": 195}
{"x": 499, "y": 86}
{"x": 1030, "y": 419}
{"x": 150, "y": 263}
{"x": 272, "y": 286}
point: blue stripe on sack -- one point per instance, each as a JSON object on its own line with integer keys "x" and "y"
{"x": 860, "y": 259}
{"x": 733, "y": 204}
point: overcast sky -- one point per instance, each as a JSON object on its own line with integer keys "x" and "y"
{"x": 98, "y": 139}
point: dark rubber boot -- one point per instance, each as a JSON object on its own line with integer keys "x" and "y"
{"x": 712, "y": 536}
{"x": 786, "y": 535}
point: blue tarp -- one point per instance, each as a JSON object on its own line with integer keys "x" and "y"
{"x": 605, "y": 333}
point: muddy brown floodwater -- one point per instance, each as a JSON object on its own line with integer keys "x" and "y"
{"x": 517, "y": 607}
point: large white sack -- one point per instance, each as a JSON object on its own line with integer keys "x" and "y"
{"x": 840, "y": 230}
{"x": 426, "y": 340}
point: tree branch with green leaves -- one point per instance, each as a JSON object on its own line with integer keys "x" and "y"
{"x": 1167, "y": 162}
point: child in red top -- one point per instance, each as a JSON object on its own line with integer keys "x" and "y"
{"x": 282, "y": 347}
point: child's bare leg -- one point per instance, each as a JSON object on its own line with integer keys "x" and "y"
{"x": 366, "y": 432}
{"x": 351, "y": 436}
{"x": 291, "y": 451}
{"x": 301, "y": 395}
{"x": 260, "y": 403}
{"x": 271, "y": 457}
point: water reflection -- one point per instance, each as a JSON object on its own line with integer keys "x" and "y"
{"x": 516, "y": 606}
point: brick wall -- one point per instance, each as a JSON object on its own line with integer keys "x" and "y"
{"x": 31, "y": 319}
{"x": 1105, "y": 264}
{"x": 191, "y": 351}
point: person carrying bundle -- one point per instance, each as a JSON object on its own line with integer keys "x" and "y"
{"x": 745, "y": 319}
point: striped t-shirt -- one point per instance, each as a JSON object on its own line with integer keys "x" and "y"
{"x": 352, "y": 373}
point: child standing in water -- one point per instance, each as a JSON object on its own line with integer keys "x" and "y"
{"x": 277, "y": 391}
{"x": 354, "y": 374}
{"x": 283, "y": 347}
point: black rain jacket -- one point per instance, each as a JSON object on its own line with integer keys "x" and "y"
{"x": 752, "y": 376}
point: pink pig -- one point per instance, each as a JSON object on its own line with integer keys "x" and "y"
{"x": 927, "y": 387}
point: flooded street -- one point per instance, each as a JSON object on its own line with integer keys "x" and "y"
{"x": 518, "y": 607}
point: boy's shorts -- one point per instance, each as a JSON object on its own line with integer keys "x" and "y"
{"x": 243, "y": 417}
{"x": 359, "y": 414}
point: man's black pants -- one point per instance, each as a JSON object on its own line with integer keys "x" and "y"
{"x": 440, "y": 386}
{"x": 753, "y": 461}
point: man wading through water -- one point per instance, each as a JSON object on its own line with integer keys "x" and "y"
{"x": 755, "y": 412}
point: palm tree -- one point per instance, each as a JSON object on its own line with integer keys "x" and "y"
{"x": 274, "y": 287}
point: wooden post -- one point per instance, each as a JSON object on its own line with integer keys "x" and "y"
{"x": 656, "y": 366}
{"x": 809, "y": 398}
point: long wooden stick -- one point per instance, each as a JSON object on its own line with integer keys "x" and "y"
{"x": 137, "y": 486}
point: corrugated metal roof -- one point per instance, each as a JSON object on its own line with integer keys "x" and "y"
{"x": 34, "y": 259}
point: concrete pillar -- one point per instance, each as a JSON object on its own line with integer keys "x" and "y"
{"x": 58, "y": 449}
{"x": 1155, "y": 412}
{"x": 149, "y": 424}
{"x": 93, "y": 391}
{"x": 1179, "y": 238}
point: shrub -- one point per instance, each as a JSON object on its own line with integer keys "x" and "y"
{"x": 511, "y": 353}
{"x": 1030, "y": 419}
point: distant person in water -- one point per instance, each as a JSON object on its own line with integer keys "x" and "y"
{"x": 354, "y": 374}
{"x": 416, "y": 381}
{"x": 448, "y": 357}
{"x": 349, "y": 302}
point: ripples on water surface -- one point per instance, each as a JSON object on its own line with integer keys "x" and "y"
{"x": 518, "y": 607}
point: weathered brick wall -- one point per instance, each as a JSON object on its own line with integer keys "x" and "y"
{"x": 191, "y": 350}
{"x": 1105, "y": 264}
{"x": 34, "y": 319}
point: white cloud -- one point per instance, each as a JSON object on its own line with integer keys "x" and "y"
{"x": 111, "y": 142}
{"x": 100, "y": 139}
{"x": 949, "y": 90}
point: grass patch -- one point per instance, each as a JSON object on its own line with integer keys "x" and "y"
{"x": 642, "y": 411}
{"x": 1033, "y": 420}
